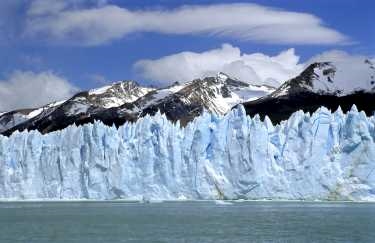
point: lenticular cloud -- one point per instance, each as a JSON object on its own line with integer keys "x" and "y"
{"x": 103, "y": 23}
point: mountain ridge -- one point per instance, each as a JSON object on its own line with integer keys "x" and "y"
{"x": 127, "y": 101}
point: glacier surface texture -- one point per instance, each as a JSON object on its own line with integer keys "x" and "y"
{"x": 323, "y": 156}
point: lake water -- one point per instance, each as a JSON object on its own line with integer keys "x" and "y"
{"x": 186, "y": 222}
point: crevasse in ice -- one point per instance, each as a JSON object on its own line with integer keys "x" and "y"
{"x": 323, "y": 156}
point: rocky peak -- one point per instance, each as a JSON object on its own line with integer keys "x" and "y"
{"x": 118, "y": 94}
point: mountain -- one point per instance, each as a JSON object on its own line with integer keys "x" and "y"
{"x": 215, "y": 94}
{"x": 127, "y": 101}
{"x": 117, "y": 94}
{"x": 320, "y": 84}
{"x": 81, "y": 108}
{"x": 16, "y": 117}
{"x": 322, "y": 156}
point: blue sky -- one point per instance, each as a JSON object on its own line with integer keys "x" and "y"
{"x": 91, "y": 54}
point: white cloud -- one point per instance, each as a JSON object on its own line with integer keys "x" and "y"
{"x": 102, "y": 23}
{"x": 336, "y": 56}
{"x": 26, "y": 89}
{"x": 255, "y": 68}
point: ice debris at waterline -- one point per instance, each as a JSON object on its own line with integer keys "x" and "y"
{"x": 325, "y": 156}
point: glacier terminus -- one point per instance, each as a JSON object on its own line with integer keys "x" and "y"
{"x": 323, "y": 156}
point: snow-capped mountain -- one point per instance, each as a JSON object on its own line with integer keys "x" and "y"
{"x": 215, "y": 94}
{"x": 77, "y": 109}
{"x": 127, "y": 101}
{"x": 327, "y": 78}
{"x": 320, "y": 84}
{"x": 322, "y": 156}
{"x": 13, "y": 118}
{"x": 117, "y": 94}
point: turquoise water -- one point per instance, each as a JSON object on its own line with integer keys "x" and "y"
{"x": 186, "y": 222}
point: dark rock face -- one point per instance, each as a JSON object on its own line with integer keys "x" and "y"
{"x": 175, "y": 109}
{"x": 59, "y": 119}
{"x": 280, "y": 108}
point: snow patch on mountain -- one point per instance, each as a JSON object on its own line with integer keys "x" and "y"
{"x": 100, "y": 90}
{"x": 322, "y": 156}
{"x": 239, "y": 92}
{"x": 38, "y": 111}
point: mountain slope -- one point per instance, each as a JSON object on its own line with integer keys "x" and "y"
{"x": 318, "y": 85}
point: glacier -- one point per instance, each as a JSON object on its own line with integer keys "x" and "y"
{"x": 321, "y": 156}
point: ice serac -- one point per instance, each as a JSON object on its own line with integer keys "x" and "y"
{"x": 323, "y": 156}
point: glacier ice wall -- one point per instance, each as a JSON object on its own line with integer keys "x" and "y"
{"x": 326, "y": 156}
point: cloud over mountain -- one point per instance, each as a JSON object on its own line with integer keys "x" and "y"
{"x": 256, "y": 68}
